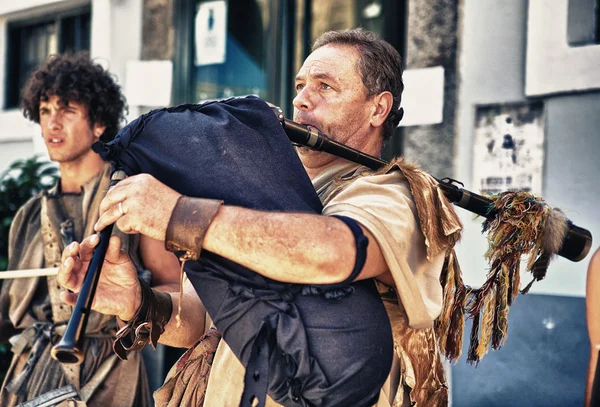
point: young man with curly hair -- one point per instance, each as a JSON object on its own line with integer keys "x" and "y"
{"x": 76, "y": 102}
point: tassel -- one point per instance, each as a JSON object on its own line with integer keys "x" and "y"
{"x": 487, "y": 325}
{"x": 523, "y": 225}
{"x": 474, "y": 342}
{"x": 457, "y": 326}
{"x": 527, "y": 287}
{"x": 501, "y": 309}
{"x": 442, "y": 324}
{"x": 515, "y": 281}
{"x": 540, "y": 266}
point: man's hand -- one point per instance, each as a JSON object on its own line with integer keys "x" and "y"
{"x": 118, "y": 291}
{"x": 138, "y": 204}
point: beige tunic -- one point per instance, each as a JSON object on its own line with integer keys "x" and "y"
{"x": 384, "y": 205}
{"x": 35, "y": 242}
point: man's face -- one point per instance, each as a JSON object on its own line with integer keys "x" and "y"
{"x": 332, "y": 98}
{"x": 67, "y": 131}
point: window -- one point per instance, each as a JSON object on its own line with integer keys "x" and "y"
{"x": 229, "y": 48}
{"x": 384, "y": 17}
{"x": 387, "y": 18}
{"x": 30, "y": 42}
{"x": 583, "y": 26}
{"x": 232, "y": 48}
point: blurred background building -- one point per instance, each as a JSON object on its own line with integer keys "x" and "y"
{"x": 499, "y": 95}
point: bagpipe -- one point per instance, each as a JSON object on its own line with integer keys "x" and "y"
{"x": 289, "y": 337}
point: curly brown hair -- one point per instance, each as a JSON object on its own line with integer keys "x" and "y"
{"x": 379, "y": 65}
{"x": 77, "y": 78}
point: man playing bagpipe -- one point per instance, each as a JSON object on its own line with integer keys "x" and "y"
{"x": 336, "y": 302}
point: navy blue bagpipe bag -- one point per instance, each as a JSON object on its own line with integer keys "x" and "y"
{"x": 304, "y": 345}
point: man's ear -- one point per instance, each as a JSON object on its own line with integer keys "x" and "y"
{"x": 98, "y": 130}
{"x": 382, "y": 104}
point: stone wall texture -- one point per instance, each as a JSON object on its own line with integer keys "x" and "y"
{"x": 432, "y": 41}
{"x": 158, "y": 31}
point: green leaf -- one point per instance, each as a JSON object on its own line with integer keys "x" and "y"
{"x": 22, "y": 180}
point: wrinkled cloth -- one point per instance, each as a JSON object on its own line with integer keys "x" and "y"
{"x": 295, "y": 345}
{"x": 185, "y": 384}
{"x": 33, "y": 372}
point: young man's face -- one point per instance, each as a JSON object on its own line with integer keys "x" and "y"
{"x": 67, "y": 131}
{"x": 332, "y": 98}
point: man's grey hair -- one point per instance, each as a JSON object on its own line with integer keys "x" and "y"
{"x": 379, "y": 66}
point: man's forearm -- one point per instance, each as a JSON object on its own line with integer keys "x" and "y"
{"x": 192, "y": 316}
{"x": 295, "y": 248}
{"x": 299, "y": 248}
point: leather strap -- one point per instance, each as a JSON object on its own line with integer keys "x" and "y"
{"x": 148, "y": 323}
{"x": 188, "y": 225}
{"x": 52, "y": 397}
{"x": 60, "y": 311}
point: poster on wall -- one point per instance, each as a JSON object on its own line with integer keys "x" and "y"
{"x": 509, "y": 148}
{"x": 210, "y": 33}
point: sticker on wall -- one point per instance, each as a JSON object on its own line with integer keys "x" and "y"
{"x": 509, "y": 148}
{"x": 210, "y": 33}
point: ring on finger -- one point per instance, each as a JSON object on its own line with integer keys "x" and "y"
{"x": 121, "y": 211}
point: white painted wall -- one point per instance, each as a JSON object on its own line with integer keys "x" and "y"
{"x": 552, "y": 65}
{"x": 18, "y": 137}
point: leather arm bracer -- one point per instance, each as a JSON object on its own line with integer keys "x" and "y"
{"x": 189, "y": 222}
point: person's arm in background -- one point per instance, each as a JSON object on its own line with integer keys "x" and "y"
{"x": 164, "y": 266}
{"x": 166, "y": 277}
{"x": 592, "y": 305}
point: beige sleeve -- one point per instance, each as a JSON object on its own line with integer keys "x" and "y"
{"x": 383, "y": 204}
{"x": 226, "y": 386}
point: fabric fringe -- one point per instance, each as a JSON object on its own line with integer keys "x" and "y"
{"x": 450, "y": 324}
{"x": 503, "y": 299}
{"x": 487, "y": 324}
{"x": 474, "y": 341}
{"x": 521, "y": 225}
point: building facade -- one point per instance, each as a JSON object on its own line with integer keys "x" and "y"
{"x": 499, "y": 95}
